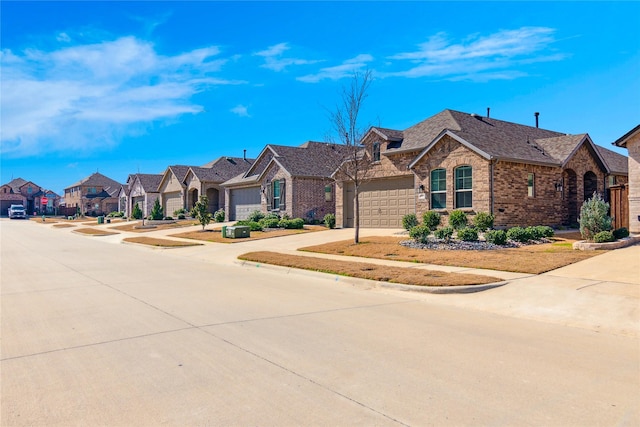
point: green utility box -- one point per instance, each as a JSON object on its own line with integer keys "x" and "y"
{"x": 238, "y": 232}
{"x": 224, "y": 231}
{"x": 100, "y": 220}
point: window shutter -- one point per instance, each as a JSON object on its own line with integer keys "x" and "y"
{"x": 268, "y": 193}
{"x": 282, "y": 195}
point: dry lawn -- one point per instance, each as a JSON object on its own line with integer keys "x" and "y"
{"x": 129, "y": 226}
{"x": 63, "y": 225}
{"x": 532, "y": 259}
{"x": 164, "y": 243}
{"x": 381, "y": 273}
{"x": 215, "y": 236}
{"x": 94, "y": 232}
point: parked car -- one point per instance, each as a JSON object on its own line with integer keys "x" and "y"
{"x": 17, "y": 211}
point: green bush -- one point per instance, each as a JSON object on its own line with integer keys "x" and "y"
{"x": 177, "y": 212}
{"x": 168, "y": 218}
{"x": 468, "y": 234}
{"x": 594, "y": 217}
{"x": 621, "y": 233}
{"x": 497, "y": 237}
{"x": 156, "y": 211}
{"x": 253, "y": 225}
{"x": 181, "y": 216}
{"x": 270, "y": 222}
{"x": 219, "y": 215}
{"x": 603, "y": 237}
{"x": 116, "y": 214}
{"x": 255, "y": 216}
{"x": 519, "y": 234}
{"x": 483, "y": 221}
{"x": 295, "y": 223}
{"x": 420, "y": 233}
{"x": 431, "y": 219}
{"x": 540, "y": 232}
{"x": 136, "y": 212}
{"x": 444, "y": 233}
{"x": 458, "y": 219}
{"x": 330, "y": 220}
{"x": 409, "y": 221}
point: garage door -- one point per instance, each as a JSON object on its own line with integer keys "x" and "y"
{"x": 172, "y": 203}
{"x": 243, "y": 202}
{"x": 384, "y": 202}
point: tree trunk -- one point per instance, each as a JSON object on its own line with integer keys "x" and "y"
{"x": 356, "y": 216}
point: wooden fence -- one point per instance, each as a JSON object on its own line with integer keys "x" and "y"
{"x": 619, "y": 205}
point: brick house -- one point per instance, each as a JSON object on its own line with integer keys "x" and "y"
{"x": 94, "y": 195}
{"x": 172, "y": 189}
{"x": 631, "y": 141}
{"x": 207, "y": 180}
{"x": 141, "y": 188}
{"x": 295, "y": 181}
{"x": 524, "y": 175}
{"x": 22, "y": 192}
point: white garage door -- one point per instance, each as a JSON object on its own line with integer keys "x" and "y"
{"x": 243, "y": 202}
{"x": 172, "y": 203}
{"x": 384, "y": 202}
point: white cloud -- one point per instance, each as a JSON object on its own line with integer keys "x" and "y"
{"x": 63, "y": 37}
{"x": 240, "y": 110}
{"x": 496, "y": 56}
{"x": 273, "y": 59}
{"x": 346, "y": 69}
{"x": 78, "y": 97}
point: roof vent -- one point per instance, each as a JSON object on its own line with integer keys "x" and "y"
{"x": 477, "y": 116}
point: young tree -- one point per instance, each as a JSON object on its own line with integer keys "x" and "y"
{"x": 136, "y": 213}
{"x": 156, "y": 211}
{"x": 356, "y": 163}
{"x": 201, "y": 211}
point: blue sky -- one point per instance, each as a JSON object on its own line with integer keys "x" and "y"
{"x": 122, "y": 87}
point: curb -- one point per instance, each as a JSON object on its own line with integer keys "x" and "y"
{"x": 373, "y": 283}
{"x": 583, "y": 245}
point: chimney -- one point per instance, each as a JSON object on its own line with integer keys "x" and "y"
{"x": 244, "y": 155}
{"x": 488, "y": 111}
{"x": 537, "y": 115}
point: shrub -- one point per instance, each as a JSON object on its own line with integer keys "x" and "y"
{"x": 295, "y": 223}
{"x": 200, "y": 211}
{"x": 444, "y": 233}
{"x": 483, "y": 221}
{"x": 177, "y": 212}
{"x": 181, "y": 216}
{"x": 519, "y": 234}
{"x": 136, "y": 212}
{"x": 169, "y": 218}
{"x": 253, "y": 225}
{"x": 604, "y": 236}
{"x": 270, "y": 222}
{"x": 409, "y": 221}
{"x": 420, "y": 233}
{"x": 468, "y": 234}
{"x": 431, "y": 219}
{"x": 219, "y": 215}
{"x": 539, "y": 232}
{"x": 594, "y": 217}
{"x": 255, "y": 216}
{"x": 330, "y": 220}
{"x": 621, "y": 233}
{"x": 497, "y": 237}
{"x": 116, "y": 214}
{"x": 457, "y": 219}
{"x": 156, "y": 211}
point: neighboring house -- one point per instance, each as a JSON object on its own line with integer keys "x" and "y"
{"x": 523, "y": 175}
{"x": 28, "y": 194}
{"x": 123, "y": 198}
{"x": 172, "y": 189}
{"x": 631, "y": 141}
{"x": 295, "y": 181}
{"x": 207, "y": 180}
{"x": 143, "y": 190}
{"x": 95, "y": 195}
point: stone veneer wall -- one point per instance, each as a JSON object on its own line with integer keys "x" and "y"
{"x": 581, "y": 163}
{"x": 633, "y": 147}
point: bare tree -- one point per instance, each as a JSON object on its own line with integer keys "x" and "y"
{"x": 355, "y": 166}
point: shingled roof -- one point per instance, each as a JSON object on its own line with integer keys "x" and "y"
{"x": 150, "y": 182}
{"x": 222, "y": 169}
{"x": 618, "y": 164}
{"x": 311, "y": 159}
{"x": 97, "y": 180}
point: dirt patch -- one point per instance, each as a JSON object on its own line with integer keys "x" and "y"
{"x": 381, "y": 273}
{"x": 532, "y": 259}
{"x": 131, "y": 226}
{"x": 164, "y": 243}
{"x": 64, "y": 225}
{"x": 94, "y": 232}
{"x": 215, "y": 236}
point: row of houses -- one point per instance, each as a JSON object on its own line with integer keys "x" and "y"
{"x": 524, "y": 175}
{"x": 36, "y": 199}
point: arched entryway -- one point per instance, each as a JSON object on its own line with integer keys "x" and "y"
{"x": 570, "y": 196}
{"x": 193, "y": 197}
{"x": 590, "y": 184}
{"x": 213, "y": 195}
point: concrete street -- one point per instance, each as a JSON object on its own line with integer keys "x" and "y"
{"x": 96, "y": 332}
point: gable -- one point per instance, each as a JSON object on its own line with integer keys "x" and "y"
{"x": 446, "y": 143}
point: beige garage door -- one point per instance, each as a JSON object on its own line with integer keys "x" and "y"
{"x": 384, "y": 202}
{"x": 243, "y": 202}
{"x": 172, "y": 202}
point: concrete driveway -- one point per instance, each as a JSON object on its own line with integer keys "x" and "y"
{"x": 99, "y": 333}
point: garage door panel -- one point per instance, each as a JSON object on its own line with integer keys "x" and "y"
{"x": 244, "y": 201}
{"x": 384, "y": 202}
{"x": 172, "y": 203}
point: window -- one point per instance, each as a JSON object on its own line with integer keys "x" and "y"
{"x": 464, "y": 187}
{"x": 275, "y": 199}
{"x": 328, "y": 195}
{"x": 375, "y": 152}
{"x": 438, "y": 189}
{"x": 29, "y": 190}
{"x": 612, "y": 180}
{"x": 531, "y": 185}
